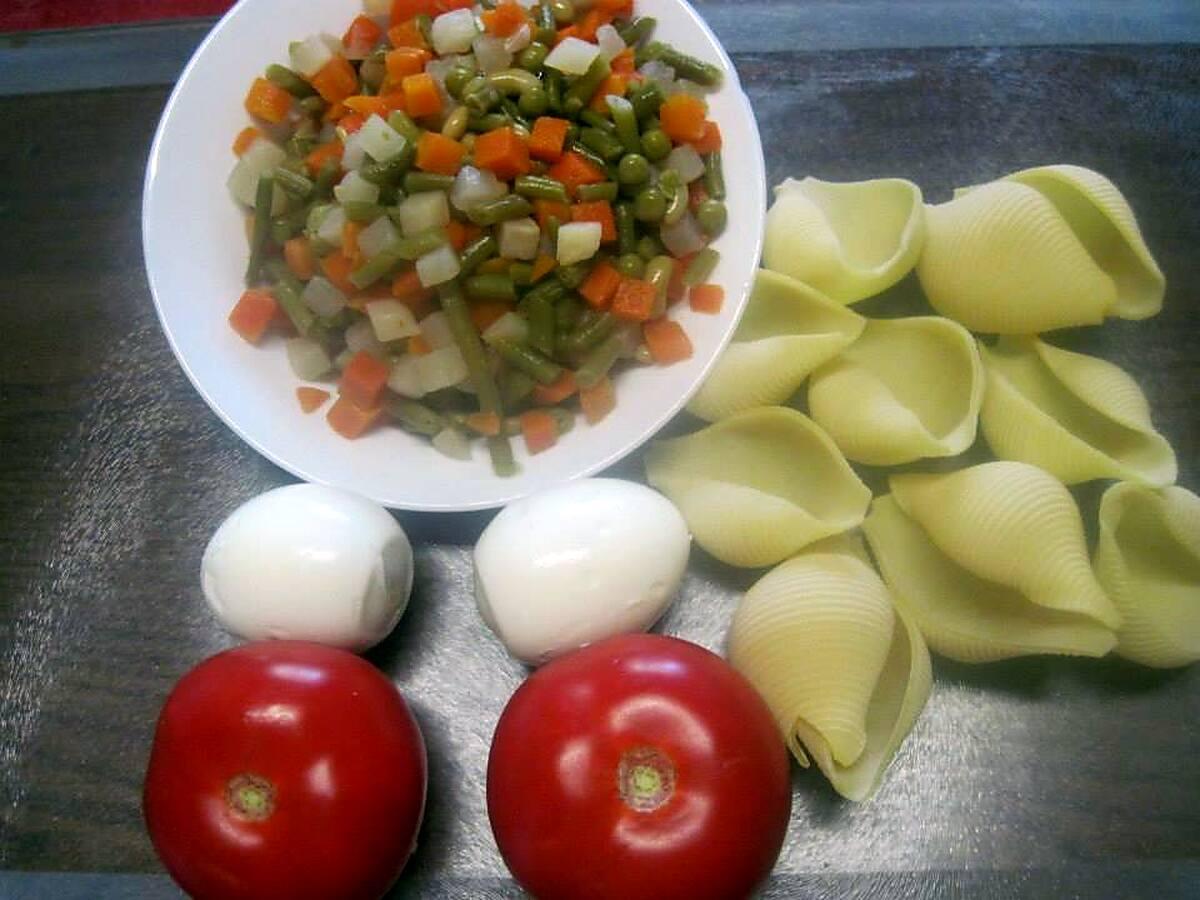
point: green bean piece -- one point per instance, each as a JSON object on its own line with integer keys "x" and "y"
{"x": 563, "y": 11}
{"x": 711, "y": 215}
{"x": 589, "y": 154}
{"x": 381, "y": 265}
{"x": 510, "y": 206}
{"x": 415, "y": 417}
{"x": 425, "y": 26}
{"x": 298, "y": 147}
{"x": 649, "y": 247}
{"x": 521, "y": 274}
{"x": 595, "y": 120}
{"x": 457, "y": 79}
{"x": 631, "y": 265}
{"x": 293, "y": 183}
{"x": 510, "y": 109}
{"x": 390, "y": 194}
{"x": 603, "y": 190}
{"x": 503, "y": 462}
{"x": 361, "y": 211}
{"x": 466, "y": 336}
{"x": 633, "y": 170}
{"x": 286, "y": 291}
{"x": 656, "y": 145}
{"x": 552, "y": 226}
{"x": 603, "y": 144}
{"x": 512, "y": 424}
{"x": 658, "y": 273}
{"x": 637, "y": 30}
{"x": 685, "y": 66}
{"x": 400, "y": 121}
{"x": 417, "y": 245}
{"x": 566, "y": 314}
{"x": 282, "y": 76}
{"x": 547, "y": 28}
{"x": 515, "y": 386}
{"x": 455, "y": 125}
{"x": 550, "y": 290}
{"x": 390, "y": 171}
{"x": 625, "y": 123}
{"x": 701, "y": 267}
{"x": 564, "y": 419}
{"x": 572, "y": 277}
{"x": 541, "y": 188}
{"x": 492, "y": 286}
{"x": 327, "y": 178}
{"x": 489, "y": 122}
{"x": 540, "y": 315}
{"x": 589, "y": 332}
{"x": 416, "y": 182}
{"x": 314, "y": 106}
{"x": 534, "y": 102}
{"x": 676, "y": 193}
{"x": 554, "y": 91}
{"x": 600, "y": 359}
{"x": 282, "y": 229}
{"x": 626, "y": 227}
{"x": 533, "y": 57}
{"x": 650, "y": 205}
{"x": 373, "y": 69}
{"x": 479, "y": 95}
{"x": 714, "y": 177}
{"x": 580, "y": 92}
{"x": 520, "y": 356}
{"x": 513, "y": 81}
{"x": 475, "y": 253}
{"x": 264, "y": 197}
{"x": 646, "y": 100}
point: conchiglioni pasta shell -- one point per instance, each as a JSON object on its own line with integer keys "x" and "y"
{"x": 787, "y": 330}
{"x": 1076, "y": 416}
{"x": 1148, "y": 559}
{"x": 961, "y": 615}
{"x": 848, "y": 240}
{"x": 758, "y": 486}
{"x": 1103, "y": 221}
{"x": 1000, "y": 258}
{"x": 906, "y": 389}
{"x": 1013, "y": 524}
{"x": 845, "y": 676}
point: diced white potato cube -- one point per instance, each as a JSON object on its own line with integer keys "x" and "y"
{"x": 572, "y": 56}
{"x": 392, "y": 320}
{"x": 380, "y": 140}
{"x": 377, "y": 237}
{"x": 453, "y": 32}
{"x": 322, "y": 297}
{"x": 438, "y": 266}
{"x": 310, "y": 55}
{"x": 405, "y": 377}
{"x": 356, "y": 189}
{"x": 330, "y": 231}
{"x": 422, "y": 211}
{"x": 441, "y": 368}
{"x": 510, "y": 327}
{"x": 435, "y": 328}
{"x": 452, "y": 443}
{"x": 686, "y": 162}
{"x": 307, "y": 358}
{"x": 361, "y": 336}
{"x": 578, "y": 241}
{"x": 520, "y": 238}
{"x": 260, "y": 158}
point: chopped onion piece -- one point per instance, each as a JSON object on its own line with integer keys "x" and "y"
{"x": 391, "y": 320}
{"x": 260, "y": 158}
{"x": 609, "y": 41}
{"x": 322, "y": 297}
{"x": 438, "y": 266}
{"x": 578, "y": 241}
{"x": 441, "y": 368}
{"x": 435, "y": 328}
{"x": 520, "y": 239}
{"x": 307, "y": 358}
{"x": 422, "y": 211}
{"x": 572, "y": 56}
{"x": 310, "y": 55}
{"x": 452, "y": 443}
{"x": 658, "y": 72}
{"x": 684, "y": 237}
{"x": 377, "y": 237}
{"x": 475, "y": 186}
{"x": 491, "y": 54}
{"x": 330, "y": 231}
{"x": 453, "y": 31}
{"x": 405, "y": 378}
{"x": 353, "y": 154}
{"x": 686, "y": 162}
{"x": 380, "y": 140}
{"x": 510, "y": 327}
{"x": 519, "y": 39}
{"x": 356, "y": 189}
{"x": 361, "y": 336}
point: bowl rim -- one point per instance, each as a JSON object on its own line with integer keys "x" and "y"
{"x": 653, "y": 424}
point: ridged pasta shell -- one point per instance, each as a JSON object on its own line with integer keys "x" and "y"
{"x": 906, "y": 389}
{"x": 1076, "y": 416}
{"x": 961, "y": 615}
{"x": 758, "y": 486}
{"x": 1014, "y": 524}
{"x": 845, "y": 676}
{"x": 787, "y": 330}
{"x": 1041, "y": 249}
{"x": 1148, "y": 559}
{"x": 848, "y": 240}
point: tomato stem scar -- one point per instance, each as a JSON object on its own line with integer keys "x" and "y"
{"x": 645, "y": 778}
{"x": 250, "y": 797}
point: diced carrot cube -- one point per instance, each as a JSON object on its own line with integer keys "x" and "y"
{"x": 503, "y": 153}
{"x": 574, "y": 170}
{"x": 253, "y": 314}
{"x": 600, "y": 285}
{"x": 336, "y": 80}
{"x": 364, "y": 379}
{"x": 351, "y": 421}
{"x": 245, "y": 138}
{"x": 707, "y": 298}
{"x": 485, "y": 423}
{"x": 682, "y": 118}
{"x": 407, "y": 34}
{"x": 597, "y": 211}
{"x": 623, "y": 63}
{"x": 547, "y": 138}
{"x": 542, "y": 266}
{"x": 710, "y": 142}
{"x": 634, "y": 300}
{"x": 545, "y": 210}
{"x": 613, "y": 84}
{"x": 311, "y": 398}
{"x": 297, "y": 253}
{"x": 557, "y": 391}
{"x": 439, "y": 154}
{"x": 505, "y": 20}
{"x": 365, "y": 107}
{"x": 421, "y": 96}
{"x": 405, "y": 61}
{"x": 268, "y": 101}
{"x": 337, "y": 267}
{"x": 321, "y": 154}
{"x": 485, "y": 312}
{"x": 667, "y": 341}
{"x": 598, "y": 400}
{"x": 361, "y": 37}
{"x": 539, "y": 430}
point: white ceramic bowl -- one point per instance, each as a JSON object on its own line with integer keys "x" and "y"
{"x": 195, "y": 250}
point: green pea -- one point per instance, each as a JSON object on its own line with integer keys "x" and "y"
{"x": 633, "y": 169}
{"x": 456, "y": 80}
{"x": 533, "y": 102}
{"x": 650, "y": 205}
{"x": 655, "y": 144}
{"x": 631, "y": 265}
{"x": 649, "y": 247}
{"x": 533, "y": 57}
{"x": 563, "y": 10}
{"x": 711, "y": 216}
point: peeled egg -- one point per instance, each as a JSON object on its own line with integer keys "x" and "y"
{"x": 579, "y": 563}
{"x": 311, "y": 563}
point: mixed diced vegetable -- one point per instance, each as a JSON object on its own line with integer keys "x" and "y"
{"x": 475, "y": 213}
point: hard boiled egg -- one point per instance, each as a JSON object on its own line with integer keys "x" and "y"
{"x": 311, "y": 563}
{"x": 578, "y": 563}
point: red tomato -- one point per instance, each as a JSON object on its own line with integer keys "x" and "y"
{"x": 285, "y": 769}
{"x": 638, "y": 767}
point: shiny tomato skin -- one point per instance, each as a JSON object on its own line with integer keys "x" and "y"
{"x": 335, "y": 743}
{"x": 571, "y": 735}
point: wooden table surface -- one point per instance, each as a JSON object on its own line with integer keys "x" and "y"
{"x": 1030, "y": 778}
